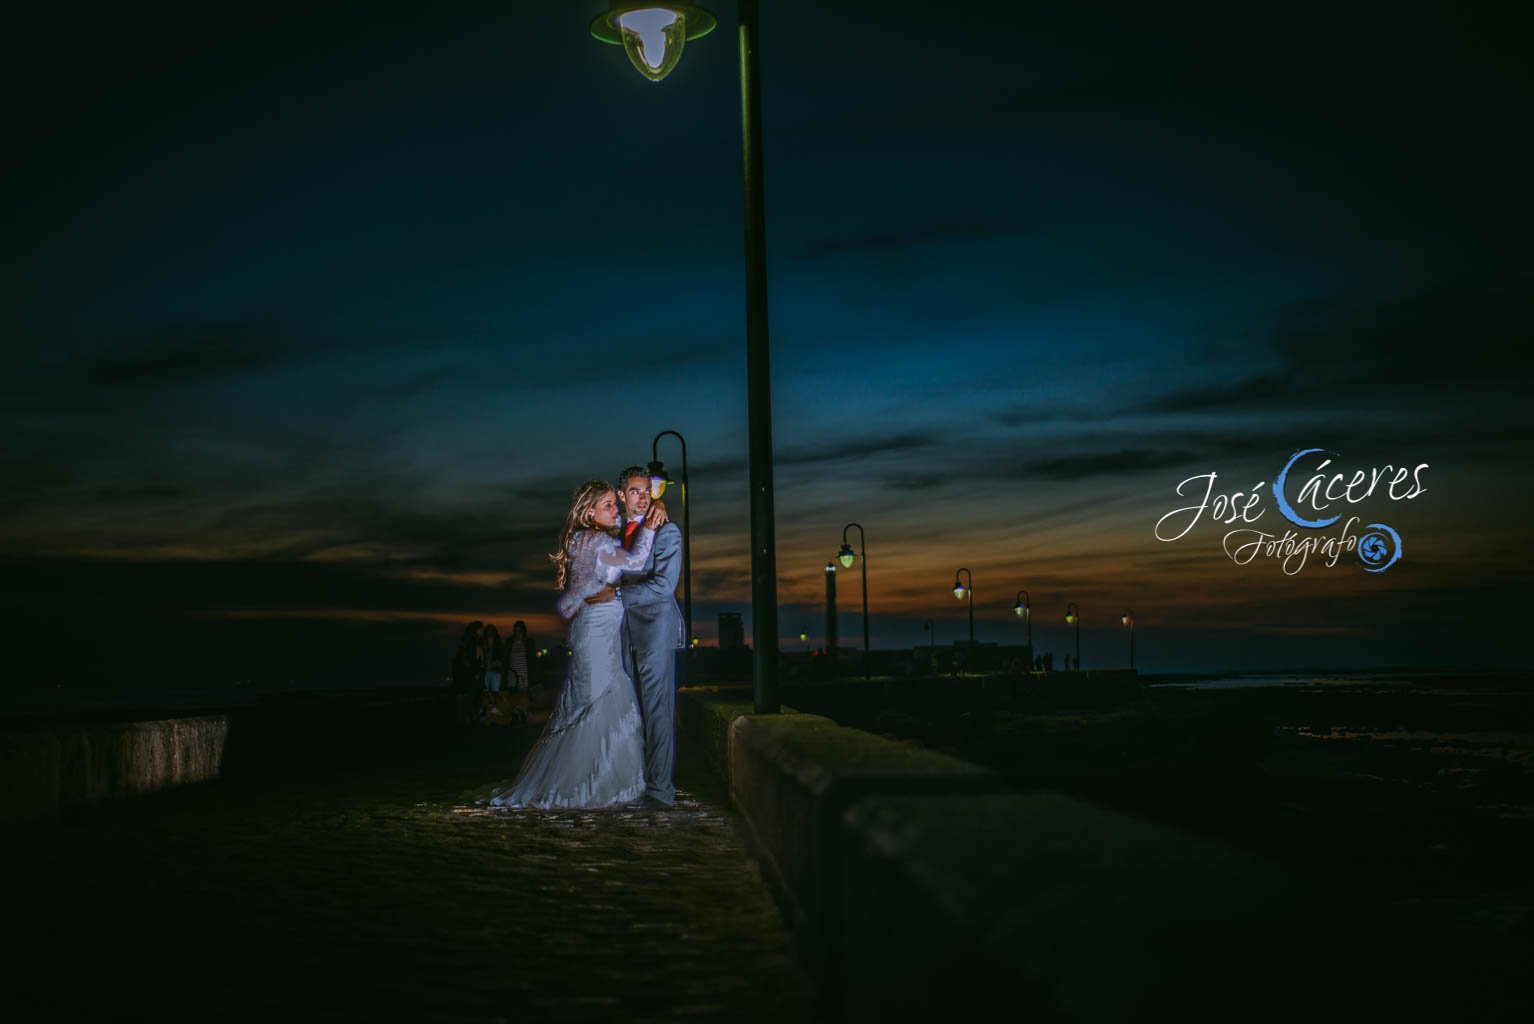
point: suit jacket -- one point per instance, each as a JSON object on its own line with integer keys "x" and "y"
{"x": 652, "y": 616}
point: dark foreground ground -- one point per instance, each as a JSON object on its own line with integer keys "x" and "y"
{"x": 387, "y": 895}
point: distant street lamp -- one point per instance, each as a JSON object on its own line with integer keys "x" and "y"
{"x": 1024, "y": 610}
{"x": 1129, "y": 620}
{"x": 1073, "y": 616}
{"x": 967, "y": 593}
{"x": 659, "y": 478}
{"x": 831, "y": 637}
{"x": 846, "y": 557}
{"x": 653, "y": 35}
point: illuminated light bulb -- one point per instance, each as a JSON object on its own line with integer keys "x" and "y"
{"x": 653, "y": 39}
{"x": 958, "y": 592}
{"x": 846, "y": 556}
{"x": 1019, "y": 609}
{"x": 659, "y": 478}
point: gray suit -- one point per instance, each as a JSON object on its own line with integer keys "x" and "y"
{"x": 653, "y": 631}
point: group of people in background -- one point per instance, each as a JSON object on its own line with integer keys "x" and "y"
{"x": 493, "y": 675}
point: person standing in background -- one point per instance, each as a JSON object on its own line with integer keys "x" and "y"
{"x": 518, "y": 656}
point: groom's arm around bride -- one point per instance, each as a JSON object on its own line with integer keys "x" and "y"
{"x": 651, "y": 595}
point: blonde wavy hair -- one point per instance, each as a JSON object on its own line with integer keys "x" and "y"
{"x": 578, "y": 518}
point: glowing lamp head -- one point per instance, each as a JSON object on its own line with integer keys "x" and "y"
{"x": 659, "y": 478}
{"x": 959, "y": 591}
{"x": 1126, "y": 620}
{"x": 1070, "y": 617}
{"x": 1019, "y": 609}
{"x": 804, "y": 636}
{"x": 652, "y": 34}
{"x": 846, "y": 556}
{"x": 653, "y": 39}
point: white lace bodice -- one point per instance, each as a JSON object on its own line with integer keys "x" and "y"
{"x": 597, "y": 559}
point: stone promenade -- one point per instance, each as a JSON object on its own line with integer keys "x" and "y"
{"x": 389, "y": 895}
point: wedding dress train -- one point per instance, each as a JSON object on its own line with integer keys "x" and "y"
{"x": 591, "y": 753}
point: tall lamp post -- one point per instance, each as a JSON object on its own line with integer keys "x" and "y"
{"x": 967, "y": 593}
{"x": 831, "y": 638}
{"x": 1024, "y": 610}
{"x": 1129, "y": 620}
{"x": 659, "y": 478}
{"x": 1073, "y": 616}
{"x": 653, "y": 34}
{"x": 846, "y": 557}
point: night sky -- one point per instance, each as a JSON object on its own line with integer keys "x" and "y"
{"x": 314, "y": 316}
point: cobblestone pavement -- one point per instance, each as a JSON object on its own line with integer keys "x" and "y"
{"x": 390, "y": 896}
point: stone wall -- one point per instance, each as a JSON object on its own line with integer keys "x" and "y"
{"x": 921, "y": 886}
{"x": 51, "y": 766}
{"x": 47, "y": 770}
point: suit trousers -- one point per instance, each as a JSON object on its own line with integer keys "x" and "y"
{"x": 655, "y": 675}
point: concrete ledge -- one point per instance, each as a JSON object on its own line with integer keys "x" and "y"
{"x": 792, "y": 777}
{"x": 705, "y": 714}
{"x": 46, "y": 771}
{"x": 920, "y": 885}
{"x": 1066, "y": 911}
{"x": 53, "y": 765}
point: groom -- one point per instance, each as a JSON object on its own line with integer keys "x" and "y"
{"x": 652, "y": 634}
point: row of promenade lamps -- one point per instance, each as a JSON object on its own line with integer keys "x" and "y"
{"x": 964, "y": 590}
{"x": 963, "y": 579}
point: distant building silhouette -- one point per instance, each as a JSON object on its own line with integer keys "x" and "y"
{"x": 732, "y": 633}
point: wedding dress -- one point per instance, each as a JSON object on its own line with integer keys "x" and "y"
{"x": 591, "y": 753}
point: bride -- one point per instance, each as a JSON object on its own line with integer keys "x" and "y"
{"x": 591, "y": 753}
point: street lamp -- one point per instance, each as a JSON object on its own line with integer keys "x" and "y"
{"x": 1129, "y": 620}
{"x": 659, "y": 478}
{"x": 963, "y": 593}
{"x": 1024, "y": 611}
{"x": 1073, "y": 616}
{"x": 846, "y": 557}
{"x": 621, "y": 24}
